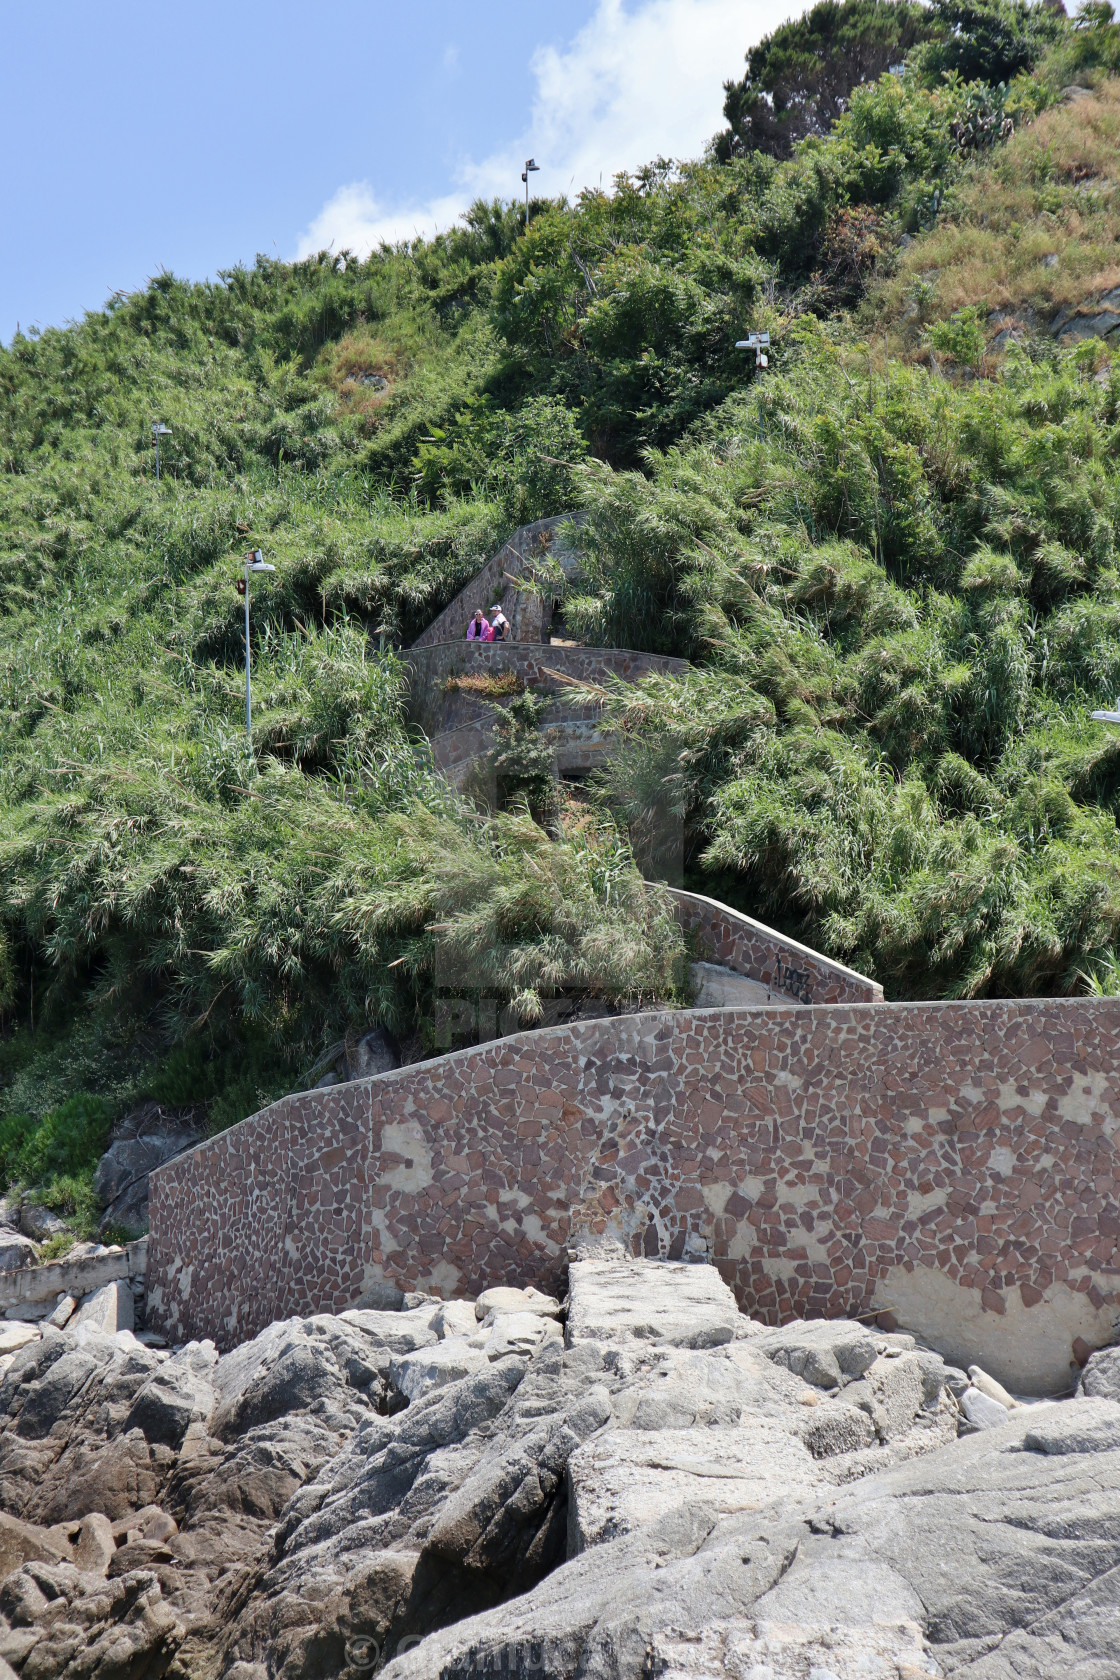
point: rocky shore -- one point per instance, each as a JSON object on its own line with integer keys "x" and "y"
{"x": 636, "y": 1481}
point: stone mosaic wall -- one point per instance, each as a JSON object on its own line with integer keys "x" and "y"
{"x": 749, "y": 947}
{"x": 952, "y": 1159}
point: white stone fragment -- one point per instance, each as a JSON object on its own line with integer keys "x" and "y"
{"x": 989, "y": 1386}
{"x": 501, "y": 1300}
{"x": 455, "y": 1318}
{"x": 108, "y": 1310}
{"x": 521, "y": 1332}
{"x": 63, "y": 1312}
{"x": 416, "y": 1374}
{"x": 15, "y": 1336}
{"x": 620, "y": 1300}
{"x": 979, "y": 1408}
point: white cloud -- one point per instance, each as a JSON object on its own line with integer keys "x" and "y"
{"x": 353, "y": 220}
{"x": 634, "y": 84}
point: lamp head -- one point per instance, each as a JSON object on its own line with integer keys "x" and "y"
{"x": 256, "y": 561}
{"x": 159, "y": 429}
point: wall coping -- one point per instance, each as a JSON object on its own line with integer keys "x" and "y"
{"x": 769, "y": 935}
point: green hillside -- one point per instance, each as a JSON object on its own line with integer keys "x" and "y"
{"x": 892, "y": 559}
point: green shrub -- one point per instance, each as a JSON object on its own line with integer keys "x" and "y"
{"x": 961, "y": 337}
{"x": 68, "y": 1140}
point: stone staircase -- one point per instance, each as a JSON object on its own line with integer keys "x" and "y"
{"x": 446, "y": 700}
{"x": 750, "y": 964}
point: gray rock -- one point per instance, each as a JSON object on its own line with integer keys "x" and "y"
{"x": 416, "y": 1374}
{"x": 62, "y": 1311}
{"x": 380, "y": 1297}
{"x": 1101, "y": 1376}
{"x": 374, "y": 1053}
{"x": 520, "y": 1332}
{"x": 826, "y": 1352}
{"x": 95, "y": 1546}
{"x": 1091, "y": 319}
{"x": 108, "y": 1310}
{"x": 142, "y": 1141}
{"x": 499, "y": 1301}
{"x": 16, "y": 1250}
{"x": 1063, "y": 1430}
{"x": 982, "y": 1411}
{"x": 455, "y": 1318}
{"x": 337, "y": 1365}
{"x": 180, "y": 1392}
{"x": 39, "y": 1223}
{"x": 623, "y": 1505}
{"x": 993, "y": 1552}
{"x": 103, "y": 1628}
{"x": 621, "y": 1300}
{"x": 625, "y": 1480}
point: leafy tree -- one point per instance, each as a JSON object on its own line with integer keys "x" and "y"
{"x": 990, "y": 40}
{"x": 799, "y": 80}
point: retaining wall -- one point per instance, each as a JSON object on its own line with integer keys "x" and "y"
{"x": 749, "y": 947}
{"x": 545, "y": 665}
{"x": 952, "y": 1162}
{"x": 528, "y": 614}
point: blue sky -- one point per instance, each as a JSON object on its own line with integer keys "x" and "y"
{"x": 139, "y": 137}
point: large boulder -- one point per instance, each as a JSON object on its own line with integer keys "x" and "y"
{"x": 614, "y": 1300}
{"x": 16, "y": 1250}
{"x": 661, "y": 1490}
{"x": 992, "y": 1558}
{"x": 484, "y": 1486}
{"x": 142, "y": 1141}
{"x": 39, "y": 1223}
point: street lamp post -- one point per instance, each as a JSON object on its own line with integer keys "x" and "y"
{"x": 530, "y": 168}
{"x": 159, "y": 430}
{"x": 254, "y": 562}
{"x": 759, "y": 342}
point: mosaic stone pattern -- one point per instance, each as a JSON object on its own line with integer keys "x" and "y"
{"x": 810, "y": 1152}
{"x": 749, "y": 947}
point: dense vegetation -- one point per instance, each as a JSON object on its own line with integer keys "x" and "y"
{"x": 799, "y": 80}
{"x": 893, "y": 563}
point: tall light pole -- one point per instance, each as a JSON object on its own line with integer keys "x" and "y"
{"x": 530, "y": 168}
{"x": 159, "y": 430}
{"x": 254, "y": 562}
{"x": 759, "y": 342}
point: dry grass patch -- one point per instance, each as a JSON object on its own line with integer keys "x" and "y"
{"x": 1033, "y": 228}
{"x": 360, "y": 359}
{"x": 488, "y": 687}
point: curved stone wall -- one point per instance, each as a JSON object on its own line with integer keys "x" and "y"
{"x": 954, "y": 1163}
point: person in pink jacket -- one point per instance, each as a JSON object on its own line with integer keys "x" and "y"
{"x": 478, "y": 630}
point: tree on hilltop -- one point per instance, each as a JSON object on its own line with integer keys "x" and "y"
{"x": 798, "y": 80}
